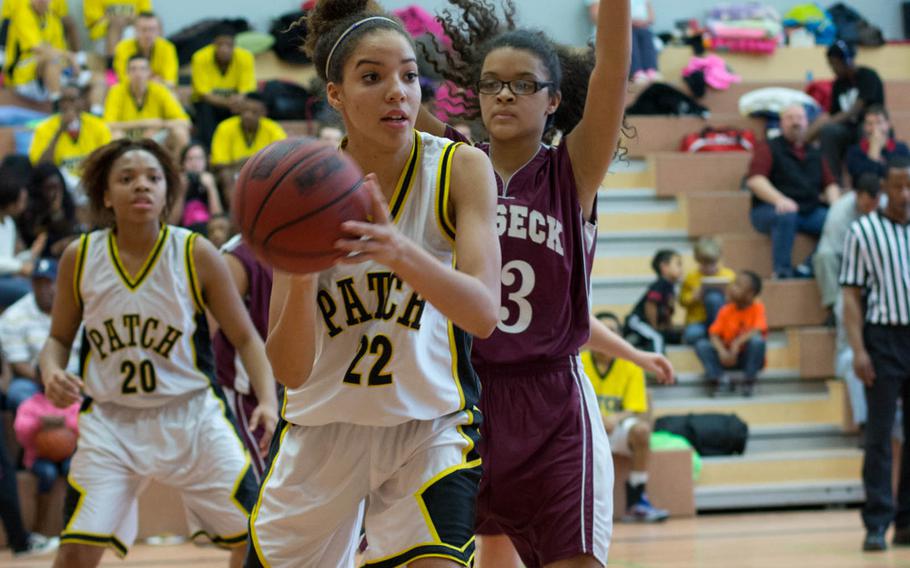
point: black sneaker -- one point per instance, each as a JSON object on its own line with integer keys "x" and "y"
{"x": 875, "y": 540}
{"x": 901, "y": 536}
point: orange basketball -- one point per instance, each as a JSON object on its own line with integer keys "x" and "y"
{"x": 55, "y": 444}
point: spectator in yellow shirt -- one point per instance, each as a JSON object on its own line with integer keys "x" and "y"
{"x": 68, "y": 137}
{"x": 108, "y": 20}
{"x": 703, "y": 291}
{"x": 142, "y": 108}
{"x": 36, "y": 52}
{"x": 622, "y": 397}
{"x": 59, "y": 8}
{"x": 239, "y": 137}
{"x": 222, "y": 73}
{"x": 148, "y": 42}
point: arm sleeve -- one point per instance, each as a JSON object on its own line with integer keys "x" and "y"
{"x": 635, "y": 398}
{"x": 854, "y": 270}
{"x": 761, "y": 319}
{"x": 113, "y": 104}
{"x": 121, "y": 55}
{"x": 173, "y": 110}
{"x": 170, "y": 64}
{"x": 247, "y": 70}
{"x": 761, "y": 161}
{"x": 686, "y": 292}
{"x": 718, "y": 326}
{"x": 201, "y": 83}
{"x": 221, "y": 146}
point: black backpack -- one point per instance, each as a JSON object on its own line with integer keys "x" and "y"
{"x": 853, "y": 28}
{"x": 663, "y": 99}
{"x": 289, "y": 41}
{"x": 709, "y": 434}
{"x": 290, "y": 101}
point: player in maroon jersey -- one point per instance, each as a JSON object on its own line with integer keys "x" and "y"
{"x": 548, "y": 473}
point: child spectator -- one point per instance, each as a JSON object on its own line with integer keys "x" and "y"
{"x": 219, "y": 230}
{"x": 737, "y": 337}
{"x": 38, "y": 414}
{"x": 876, "y": 146}
{"x": 704, "y": 289}
{"x": 620, "y": 389}
{"x": 239, "y": 137}
{"x": 650, "y": 325}
{"x": 161, "y": 53}
{"x": 222, "y": 73}
{"x": 200, "y": 198}
{"x": 24, "y": 328}
{"x": 51, "y": 212}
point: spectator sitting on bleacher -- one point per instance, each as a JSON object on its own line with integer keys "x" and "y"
{"x": 650, "y": 325}
{"x": 141, "y": 108}
{"x": 38, "y": 414}
{"x": 331, "y": 133}
{"x": 109, "y": 21}
{"x": 791, "y": 189}
{"x": 51, "y": 212}
{"x": 704, "y": 289}
{"x": 36, "y": 53}
{"x": 24, "y": 328}
{"x": 222, "y": 73}
{"x": 239, "y": 137}
{"x": 199, "y": 199}
{"x": 828, "y": 260}
{"x": 220, "y": 229}
{"x": 621, "y": 395}
{"x": 876, "y": 147}
{"x": 58, "y": 7}
{"x": 68, "y": 137}
{"x": 161, "y": 53}
{"x": 855, "y": 90}
{"x": 830, "y": 252}
{"x": 15, "y": 263}
{"x": 737, "y": 337}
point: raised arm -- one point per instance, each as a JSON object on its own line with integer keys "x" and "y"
{"x": 593, "y": 142}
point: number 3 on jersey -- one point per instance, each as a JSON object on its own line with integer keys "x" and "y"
{"x": 516, "y": 308}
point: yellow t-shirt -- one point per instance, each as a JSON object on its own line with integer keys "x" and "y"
{"x": 240, "y": 76}
{"x": 164, "y": 61}
{"x": 58, "y": 7}
{"x": 695, "y": 309}
{"x": 69, "y": 153}
{"x": 229, "y": 145}
{"x": 621, "y": 389}
{"x": 94, "y": 12}
{"x": 28, "y": 30}
{"x": 159, "y": 102}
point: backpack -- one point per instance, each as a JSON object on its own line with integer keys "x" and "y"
{"x": 194, "y": 37}
{"x": 719, "y": 139}
{"x": 853, "y": 28}
{"x": 663, "y": 99}
{"x": 290, "y": 101}
{"x": 289, "y": 42}
{"x": 710, "y": 434}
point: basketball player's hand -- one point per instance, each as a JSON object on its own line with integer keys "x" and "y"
{"x": 862, "y": 366}
{"x": 378, "y": 241}
{"x": 264, "y": 415}
{"x": 62, "y": 389}
{"x": 657, "y": 365}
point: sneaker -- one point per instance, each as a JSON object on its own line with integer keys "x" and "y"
{"x": 875, "y": 540}
{"x": 38, "y": 545}
{"x": 804, "y": 271}
{"x": 724, "y": 388}
{"x": 748, "y": 389}
{"x": 645, "y": 512}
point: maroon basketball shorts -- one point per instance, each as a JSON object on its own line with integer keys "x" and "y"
{"x": 547, "y": 470}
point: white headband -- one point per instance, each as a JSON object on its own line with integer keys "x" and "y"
{"x": 346, "y": 33}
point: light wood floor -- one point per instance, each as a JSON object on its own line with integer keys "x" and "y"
{"x": 775, "y": 540}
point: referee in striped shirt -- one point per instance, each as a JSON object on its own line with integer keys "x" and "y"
{"x": 877, "y": 265}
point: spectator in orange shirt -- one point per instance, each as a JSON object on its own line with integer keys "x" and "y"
{"x": 737, "y": 337}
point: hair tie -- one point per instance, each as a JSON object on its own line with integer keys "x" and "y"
{"x": 346, "y": 33}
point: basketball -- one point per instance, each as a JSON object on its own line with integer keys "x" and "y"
{"x": 56, "y": 444}
{"x": 291, "y": 200}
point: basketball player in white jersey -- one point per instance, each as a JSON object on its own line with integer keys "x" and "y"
{"x": 379, "y": 421}
{"x": 150, "y": 409}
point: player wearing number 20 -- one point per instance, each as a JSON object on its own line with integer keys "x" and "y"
{"x": 141, "y": 289}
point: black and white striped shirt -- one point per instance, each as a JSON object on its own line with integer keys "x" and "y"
{"x": 877, "y": 258}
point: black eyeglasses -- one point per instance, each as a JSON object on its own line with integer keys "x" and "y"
{"x": 517, "y": 86}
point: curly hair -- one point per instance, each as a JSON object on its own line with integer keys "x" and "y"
{"x": 476, "y": 30}
{"x": 96, "y": 171}
{"x": 330, "y": 19}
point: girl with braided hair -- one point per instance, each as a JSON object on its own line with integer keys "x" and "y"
{"x": 380, "y": 420}
{"x": 548, "y": 475}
